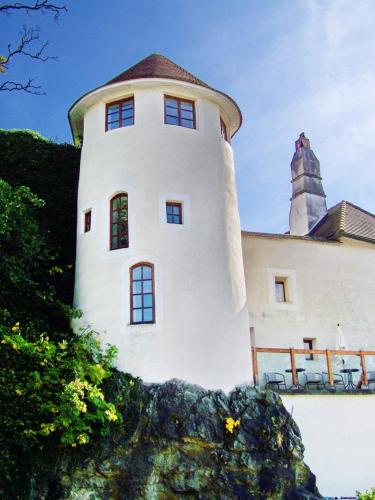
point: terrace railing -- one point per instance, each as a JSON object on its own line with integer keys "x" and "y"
{"x": 327, "y": 353}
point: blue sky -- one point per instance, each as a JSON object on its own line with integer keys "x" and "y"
{"x": 292, "y": 66}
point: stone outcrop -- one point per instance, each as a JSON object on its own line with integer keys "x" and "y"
{"x": 181, "y": 448}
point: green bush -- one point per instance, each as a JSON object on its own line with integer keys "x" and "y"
{"x": 366, "y": 495}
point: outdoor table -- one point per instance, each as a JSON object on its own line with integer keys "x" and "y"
{"x": 349, "y": 372}
{"x": 298, "y": 370}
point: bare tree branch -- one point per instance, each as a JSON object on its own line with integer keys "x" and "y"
{"x": 29, "y": 44}
{"x": 27, "y": 37}
{"x": 39, "y": 5}
{"x": 26, "y": 87}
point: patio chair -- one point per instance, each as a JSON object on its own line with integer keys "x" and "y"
{"x": 275, "y": 380}
{"x": 370, "y": 378}
{"x": 338, "y": 379}
{"x": 313, "y": 379}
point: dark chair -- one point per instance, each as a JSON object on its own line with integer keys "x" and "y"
{"x": 275, "y": 380}
{"x": 338, "y": 379}
{"x": 313, "y": 379}
{"x": 370, "y": 378}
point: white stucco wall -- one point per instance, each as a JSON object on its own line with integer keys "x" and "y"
{"x": 201, "y": 333}
{"x": 330, "y": 283}
{"x": 338, "y": 433}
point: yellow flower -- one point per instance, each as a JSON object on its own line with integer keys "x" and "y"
{"x": 63, "y": 345}
{"x": 231, "y": 424}
{"x": 16, "y": 327}
{"x": 83, "y": 439}
{"x": 111, "y": 415}
{"x": 19, "y": 392}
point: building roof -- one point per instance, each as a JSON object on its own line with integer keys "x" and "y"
{"x": 157, "y": 66}
{"x": 153, "y": 66}
{"x": 346, "y": 219}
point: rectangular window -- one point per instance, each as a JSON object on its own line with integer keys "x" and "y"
{"x": 280, "y": 290}
{"x": 179, "y": 112}
{"x": 308, "y": 344}
{"x": 120, "y": 114}
{"x": 174, "y": 212}
{"x": 223, "y": 130}
{"x": 142, "y": 307}
{"x": 87, "y": 221}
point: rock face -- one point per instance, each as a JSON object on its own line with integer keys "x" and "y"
{"x": 182, "y": 449}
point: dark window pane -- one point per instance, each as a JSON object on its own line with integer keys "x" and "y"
{"x": 113, "y": 125}
{"x": 172, "y": 111}
{"x": 147, "y": 300}
{"x": 137, "y": 301}
{"x": 147, "y": 315}
{"x": 113, "y": 108}
{"x": 146, "y": 272}
{"x": 169, "y": 209}
{"x": 127, "y": 121}
{"x": 127, "y": 113}
{"x": 176, "y": 219}
{"x": 187, "y": 114}
{"x": 187, "y": 105}
{"x": 127, "y": 105}
{"x": 115, "y": 216}
{"x": 171, "y": 102}
{"x": 137, "y": 273}
{"x": 112, "y": 117}
{"x": 171, "y": 120}
{"x": 147, "y": 286}
{"x": 187, "y": 123}
{"x": 114, "y": 242}
{"x": 170, "y": 218}
{"x": 137, "y": 287}
{"x": 137, "y": 316}
{"x": 176, "y": 210}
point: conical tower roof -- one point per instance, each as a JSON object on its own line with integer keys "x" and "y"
{"x": 157, "y": 66}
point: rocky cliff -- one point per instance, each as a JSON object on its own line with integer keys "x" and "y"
{"x": 192, "y": 443}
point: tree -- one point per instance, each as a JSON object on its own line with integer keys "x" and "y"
{"x": 53, "y": 401}
{"x": 29, "y": 45}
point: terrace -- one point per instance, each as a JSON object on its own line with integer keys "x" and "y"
{"x": 290, "y": 370}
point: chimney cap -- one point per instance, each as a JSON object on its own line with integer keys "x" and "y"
{"x": 302, "y": 142}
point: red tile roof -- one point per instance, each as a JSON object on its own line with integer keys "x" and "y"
{"x": 157, "y": 66}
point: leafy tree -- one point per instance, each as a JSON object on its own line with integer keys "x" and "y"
{"x": 54, "y": 397}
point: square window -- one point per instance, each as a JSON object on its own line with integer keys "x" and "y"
{"x": 174, "y": 212}
{"x": 120, "y": 114}
{"x": 179, "y": 112}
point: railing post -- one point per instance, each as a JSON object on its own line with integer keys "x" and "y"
{"x": 255, "y": 365}
{"x": 363, "y": 366}
{"x": 293, "y": 366}
{"x": 329, "y": 367}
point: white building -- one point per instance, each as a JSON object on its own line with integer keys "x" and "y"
{"x": 165, "y": 272}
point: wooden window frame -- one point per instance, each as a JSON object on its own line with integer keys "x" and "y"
{"x": 111, "y": 234}
{"x": 87, "y": 221}
{"x": 119, "y": 102}
{"x": 174, "y": 204}
{"x": 223, "y": 130}
{"x": 151, "y": 266}
{"x": 310, "y": 342}
{"x": 179, "y": 117}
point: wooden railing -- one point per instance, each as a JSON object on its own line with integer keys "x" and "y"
{"x": 328, "y": 353}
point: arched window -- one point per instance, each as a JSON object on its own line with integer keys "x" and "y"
{"x": 119, "y": 237}
{"x": 142, "y": 293}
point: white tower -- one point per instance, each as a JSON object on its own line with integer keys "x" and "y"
{"x": 159, "y": 266}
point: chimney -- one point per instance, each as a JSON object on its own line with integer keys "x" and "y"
{"x": 308, "y": 201}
